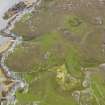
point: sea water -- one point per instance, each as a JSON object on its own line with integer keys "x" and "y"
{"x": 4, "y": 6}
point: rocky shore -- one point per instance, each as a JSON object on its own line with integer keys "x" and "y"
{"x": 9, "y": 97}
{"x": 21, "y": 6}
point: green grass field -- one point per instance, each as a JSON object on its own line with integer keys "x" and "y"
{"x": 53, "y": 36}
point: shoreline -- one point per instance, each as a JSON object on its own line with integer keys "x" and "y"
{"x": 19, "y": 84}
